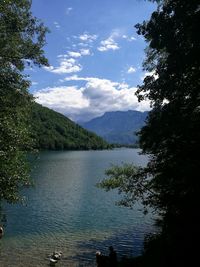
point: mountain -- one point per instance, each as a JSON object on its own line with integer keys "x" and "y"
{"x": 52, "y": 130}
{"x": 117, "y": 126}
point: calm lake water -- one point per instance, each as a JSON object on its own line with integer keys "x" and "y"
{"x": 65, "y": 211}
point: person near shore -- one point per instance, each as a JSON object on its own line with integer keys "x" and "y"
{"x": 101, "y": 260}
{"x": 98, "y": 259}
{"x": 112, "y": 257}
{"x": 1, "y": 232}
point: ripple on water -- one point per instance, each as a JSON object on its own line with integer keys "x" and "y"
{"x": 66, "y": 212}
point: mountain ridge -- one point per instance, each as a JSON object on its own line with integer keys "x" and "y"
{"x": 118, "y": 126}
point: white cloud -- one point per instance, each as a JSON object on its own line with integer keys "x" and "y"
{"x": 131, "y": 70}
{"x": 68, "y": 10}
{"x": 86, "y": 37}
{"x": 82, "y": 52}
{"x": 34, "y": 83}
{"x": 57, "y": 25}
{"x": 83, "y": 44}
{"x": 68, "y": 62}
{"x": 130, "y": 39}
{"x": 64, "y": 99}
{"x": 109, "y": 43}
{"x": 85, "y": 40}
{"x": 67, "y": 65}
{"x": 93, "y": 99}
{"x": 62, "y": 56}
{"x": 85, "y": 52}
{"x": 152, "y": 73}
{"x": 74, "y": 54}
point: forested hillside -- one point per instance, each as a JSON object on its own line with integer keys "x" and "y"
{"x": 52, "y": 130}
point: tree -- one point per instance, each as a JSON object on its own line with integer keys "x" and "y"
{"x": 22, "y": 37}
{"x": 169, "y": 182}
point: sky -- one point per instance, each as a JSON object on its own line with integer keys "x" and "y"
{"x": 95, "y": 56}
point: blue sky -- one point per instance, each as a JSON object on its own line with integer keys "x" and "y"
{"x": 95, "y": 56}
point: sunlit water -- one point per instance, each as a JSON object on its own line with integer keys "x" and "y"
{"x": 66, "y": 212}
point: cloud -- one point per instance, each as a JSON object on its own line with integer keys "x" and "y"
{"x": 86, "y": 37}
{"x": 152, "y": 73}
{"x": 85, "y": 52}
{"x": 129, "y": 38}
{"x": 82, "y": 52}
{"x": 57, "y": 25}
{"x": 34, "y": 83}
{"x": 67, "y": 65}
{"x": 68, "y": 10}
{"x": 109, "y": 43}
{"x": 64, "y": 99}
{"x": 85, "y": 40}
{"x": 131, "y": 70}
{"x": 68, "y": 62}
{"x": 132, "y": 38}
{"x": 92, "y": 99}
{"x": 83, "y": 44}
{"x": 74, "y": 54}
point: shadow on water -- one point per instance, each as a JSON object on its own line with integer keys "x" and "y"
{"x": 85, "y": 251}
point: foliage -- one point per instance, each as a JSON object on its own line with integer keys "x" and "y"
{"x": 22, "y": 37}
{"x": 52, "y": 130}
{"x": 130, "y": 181}
{"x": 171, "y": 135}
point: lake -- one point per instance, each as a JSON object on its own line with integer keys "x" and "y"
{"x": 65, "y": 211}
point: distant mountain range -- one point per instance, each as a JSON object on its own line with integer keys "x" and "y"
{"x": 117, "y": 127}
{"x": 52, "y": 130}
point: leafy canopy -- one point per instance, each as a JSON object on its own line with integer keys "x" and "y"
{"x": 171, "y": 134}
{"x": 22, "y": 37}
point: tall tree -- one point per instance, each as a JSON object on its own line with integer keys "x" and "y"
{"x": 22, "y": 37}
{"x": 170, "y": 181}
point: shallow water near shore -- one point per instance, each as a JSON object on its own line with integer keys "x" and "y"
{"x": 65, "y": 211}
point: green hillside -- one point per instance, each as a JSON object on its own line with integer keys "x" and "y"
{"x": 52, "y": 130}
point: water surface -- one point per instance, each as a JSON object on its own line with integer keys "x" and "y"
{"x": 65, "y": 211}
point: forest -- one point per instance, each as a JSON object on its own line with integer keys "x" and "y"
{"x": 53, "y": 131}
